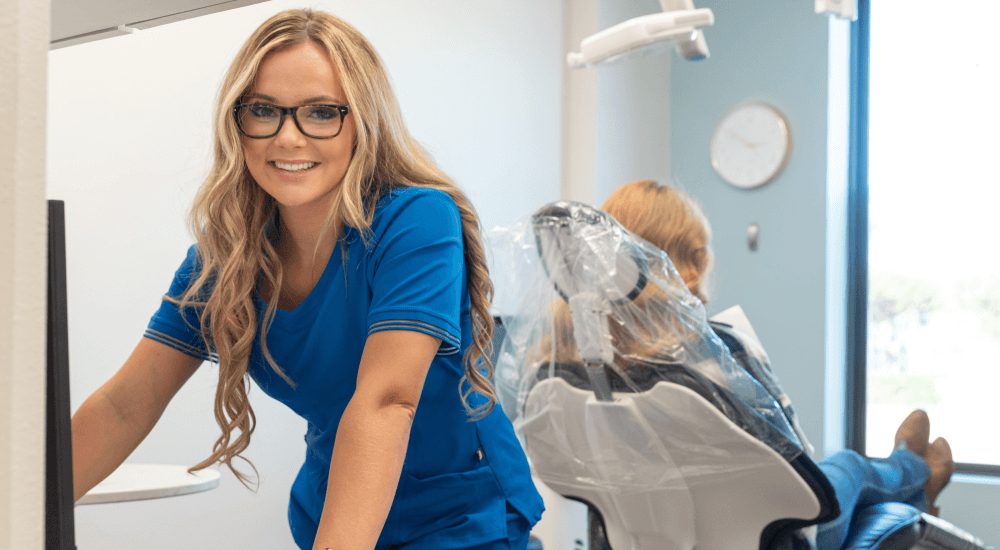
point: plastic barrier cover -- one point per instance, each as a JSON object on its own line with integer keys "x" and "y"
{"x": 595, "y": 316}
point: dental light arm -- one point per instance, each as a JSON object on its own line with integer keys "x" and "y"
{"x": 679, "y": 23}
{"x": 693, "y": 49}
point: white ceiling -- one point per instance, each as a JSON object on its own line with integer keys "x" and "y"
{"x": 79, "y": 21}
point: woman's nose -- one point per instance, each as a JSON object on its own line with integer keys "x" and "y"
{"x": 289, "y": 134}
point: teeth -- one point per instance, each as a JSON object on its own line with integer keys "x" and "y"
{"x": 294, "y": 167}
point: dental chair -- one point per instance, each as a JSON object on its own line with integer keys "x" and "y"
{"x": 625, "y": 399}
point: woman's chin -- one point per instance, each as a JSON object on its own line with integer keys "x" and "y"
{"x": 304, "y": 201}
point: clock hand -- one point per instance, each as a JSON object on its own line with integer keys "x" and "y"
{"x": 747, "y": 144}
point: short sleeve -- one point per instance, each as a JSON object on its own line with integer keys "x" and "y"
{"x": 416, "y": 267}
{"x": 168, "y": 326}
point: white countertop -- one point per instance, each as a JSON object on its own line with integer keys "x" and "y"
{"x": 148, "y": 481}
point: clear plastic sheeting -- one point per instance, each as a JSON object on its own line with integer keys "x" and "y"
{"x": 609, "y": 362}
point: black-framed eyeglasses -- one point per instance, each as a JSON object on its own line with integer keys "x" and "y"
{"x": 263, "y": 120}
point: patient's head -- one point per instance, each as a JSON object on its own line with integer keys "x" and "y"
{"x": 671, "y": 220}
{"x": 646, "y": 327}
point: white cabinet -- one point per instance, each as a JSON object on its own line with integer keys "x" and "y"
{"x": 79, "y": 21}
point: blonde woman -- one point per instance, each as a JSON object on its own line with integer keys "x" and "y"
{"x": 917, "y": 470}
{"x": 338, "y": 268}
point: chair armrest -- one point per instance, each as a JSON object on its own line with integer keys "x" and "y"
{"x": 937, "y": 533}
{"x": 895, "y": 526}
{"x": 883, "y": 526}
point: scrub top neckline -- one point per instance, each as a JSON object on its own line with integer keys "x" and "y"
{"x": 312, "y": 300}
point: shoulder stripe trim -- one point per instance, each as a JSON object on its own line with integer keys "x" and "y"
{"x": 446, "y": 338}
{"x": 179, "y": 345}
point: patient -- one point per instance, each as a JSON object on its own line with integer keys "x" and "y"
{"x": 915, "y": 473}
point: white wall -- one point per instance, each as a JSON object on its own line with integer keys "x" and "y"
{"x": 23, "y": 45}
{"x": 129, "y": 130}
{"x": 579, "y": 150}
{"x": 633, "y": 108}
{"x": 616, "y": 116}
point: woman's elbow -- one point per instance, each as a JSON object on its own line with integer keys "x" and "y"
{"x": 399, "y": 401}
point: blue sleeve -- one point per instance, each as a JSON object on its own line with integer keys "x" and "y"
{"x": 168, "y": 326}
{"x": 416, "y": 270}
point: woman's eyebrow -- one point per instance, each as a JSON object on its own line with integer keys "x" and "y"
{"x": 317, "y": 99}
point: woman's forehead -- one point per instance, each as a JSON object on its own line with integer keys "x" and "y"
{"x": 296, "y": 74}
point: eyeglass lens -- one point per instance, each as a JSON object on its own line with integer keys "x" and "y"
{"x": 261, "y": 120}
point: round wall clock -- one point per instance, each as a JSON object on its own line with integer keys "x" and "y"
{"x": 751, "y": 145}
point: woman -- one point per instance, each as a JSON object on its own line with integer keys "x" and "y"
{"x": 344, "y": 273}
{"x": 915, "y": 472}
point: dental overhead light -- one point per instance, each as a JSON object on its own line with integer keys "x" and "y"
{"x": 680, "y": 23}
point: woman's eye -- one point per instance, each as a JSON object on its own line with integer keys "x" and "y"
{"x": 322, "y": 114}
{"x": 262, "y": 111}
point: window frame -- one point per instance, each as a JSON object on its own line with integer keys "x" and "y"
{"x": 857, "y": 235}
{"x": 856, "y": 386}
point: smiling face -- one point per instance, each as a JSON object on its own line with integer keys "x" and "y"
{"x": 299, "y": 172}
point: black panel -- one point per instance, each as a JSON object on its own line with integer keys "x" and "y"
{"x": 59, "y": 525}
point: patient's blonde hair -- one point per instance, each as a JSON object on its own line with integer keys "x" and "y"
{"x": 671, "y": 220}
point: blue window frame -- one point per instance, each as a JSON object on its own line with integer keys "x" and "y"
{"x": 857, "y": 234}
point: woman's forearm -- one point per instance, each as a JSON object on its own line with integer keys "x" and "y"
{"x": 365, "y": 468}
{"x": 102, "y": 439}
{"x": 120, "y": 414}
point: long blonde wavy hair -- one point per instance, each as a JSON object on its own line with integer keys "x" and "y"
{"x": 672, "y": 221}
{"x": 232, "y": 218}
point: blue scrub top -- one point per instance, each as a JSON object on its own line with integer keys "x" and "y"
{"x": 458, "y": 476}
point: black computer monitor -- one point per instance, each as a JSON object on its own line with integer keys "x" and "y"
{"x": 60, "y": 531}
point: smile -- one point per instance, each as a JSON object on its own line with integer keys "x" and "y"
{"x": 293, "y": 167}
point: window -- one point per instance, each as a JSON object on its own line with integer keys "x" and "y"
{"x": 932, "y": 199}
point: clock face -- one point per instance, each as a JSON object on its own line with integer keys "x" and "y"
{"x": 751, "y": 145}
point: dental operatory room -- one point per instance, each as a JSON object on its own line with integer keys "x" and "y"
{"x": 704, "y": 274}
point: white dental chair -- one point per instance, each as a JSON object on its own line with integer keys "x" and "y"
{"x": 676, "y": 449}
{"x": 668, "y": 493}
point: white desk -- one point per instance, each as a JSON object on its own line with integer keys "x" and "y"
{"x": 148, "y": 481}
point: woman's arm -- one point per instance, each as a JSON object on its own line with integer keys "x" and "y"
{"x": 117, "y": 417}
{"x": 372, "y": 438}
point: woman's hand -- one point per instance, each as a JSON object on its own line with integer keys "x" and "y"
{"x": 372, "y": 438}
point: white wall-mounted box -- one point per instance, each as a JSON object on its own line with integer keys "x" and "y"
{"x": 79, "y": 21}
